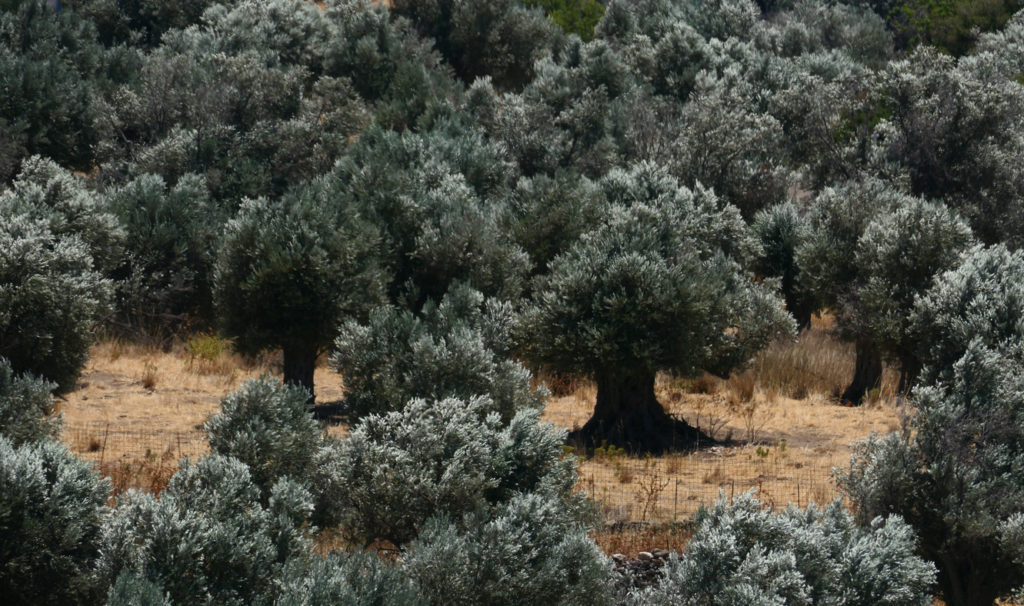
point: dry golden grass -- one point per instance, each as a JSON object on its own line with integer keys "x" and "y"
{"x": 137, "y": 410}
{"x": 781, "y": 445}
{"x": 134, "y": 403}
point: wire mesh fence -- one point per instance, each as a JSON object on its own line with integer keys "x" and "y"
{"x": 104, "y": 442}
{"x": 673, "y": 487}
{"x": 629, "y": 489}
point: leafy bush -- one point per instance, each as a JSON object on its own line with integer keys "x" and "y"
{"x": 981, "y": 299}
{"x": 744, "y": 554}
{"x": 51, "y": 507}
{"x": 501, "y": 39}
{"x": 529, "y": 550}
{"x": 172, "y": 235}
{"x": 352, "y": 579}
{"x": 394, "y": 472}
{"x": 267, "y": 426}
{"x": 132, "y": 589}
{"x": 956, "y": 474}
{"x": 27, "y": 412}
{"x": 46, "y": 192}
{"x": 457, "y": 349}
{"x": 208, "y": 539}
{"x": 50, "y": 300}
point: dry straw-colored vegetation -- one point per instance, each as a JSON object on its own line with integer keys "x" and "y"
{"x": 137, "y": 410}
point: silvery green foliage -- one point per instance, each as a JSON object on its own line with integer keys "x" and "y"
{"x": 729, "y": 144}
{"x": 899, "y": 255}
{"x": 720, "y": 19}
{"x": 27, "y": 412}
{"x": 529, "y": 550}
{"x": 352, "y": 579}
{"x": 373, "y": 50}
{"x": 956, "y": 474}
{"x": 286, "y": 32}
{"x": 570, "y": 113}
{"x": 743, "y": 554}
{"x": 208, "y": 538}
{"x": 244, "y": 118}
{"x": 51, "y": 297}
{"x": 954, "y": 130}
{"x": 131, "y": 589}
{"x": 393, "y": 472}
{"x": 458, "y": 349}
{"x": 811, "y": 26}
{"x": 548, "y": 214}
{"x": 434, "y": 196}
{"x": 836, "y": 221}
{"x": 51, "y": 507}
{"x": 498, "y": 38}
{"x": 267, "y": 426}
{"x": 981, "y": 299}
{"x": 49, "y": 63}
{"x": 781, "y": 230}
{"x": 171, "y": 244}
{"x": 46, "y": 192}
{"x": 654, "y": 286}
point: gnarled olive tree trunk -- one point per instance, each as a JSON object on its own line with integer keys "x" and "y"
{"x": 629, "y": 416}
{"x": 299, "y": 364}
{"x": 867, "y": 373}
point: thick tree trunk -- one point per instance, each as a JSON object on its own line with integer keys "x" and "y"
{"x": 629, "y": 416}
{"x": 299, "y": 364}
{"x": 966, "y": 585}
{"x": 867, "y": 374}
{"x": 800, "y": 309}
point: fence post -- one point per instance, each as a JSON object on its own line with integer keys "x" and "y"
{"x": 675, "y": 503}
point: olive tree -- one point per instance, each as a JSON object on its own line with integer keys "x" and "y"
{"x": 870, "y": 251}
{"x": 657, "y": 285}
{"x": 289, "y": 271}
{"x": 955, "y": 475}
{"x": 51, "y": 298}
{"x": 170, "y": 246}
{"x": 781, "y": 229}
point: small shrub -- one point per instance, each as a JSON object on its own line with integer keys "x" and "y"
{"x": 132, "y": 589}
{"x": 743, "y": 554}
{"x": 208, "y": 539}
{"x": 452, "y": 457}
{"x": 207, "y": 353}
{"x": 530, "y": 550}
{"x": 149, "y": 375}
{"x": 459, "y": 348}
{"x": 268, "y": 426}
{"x": 344, "y": 578}
{"x": 51, "y": 507}
{"x": 27, "y": 412}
